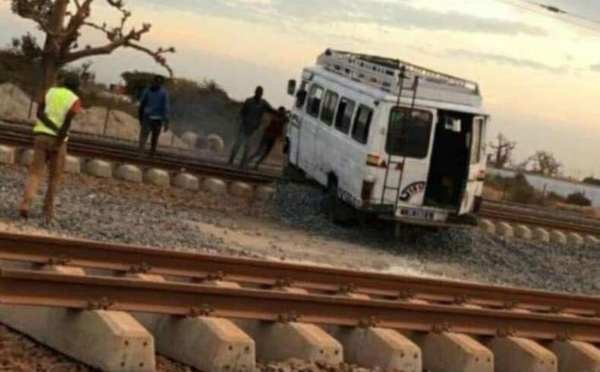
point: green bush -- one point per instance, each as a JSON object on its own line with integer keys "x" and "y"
{"x": 579, "y": 199}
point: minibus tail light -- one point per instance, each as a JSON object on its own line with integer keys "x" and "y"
{"x": 373, "y": 160}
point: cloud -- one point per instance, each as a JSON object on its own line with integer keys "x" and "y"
{"x": 595, "y": 68}
{"x": 506, "y": 60}
{"x": 398, "y": 14}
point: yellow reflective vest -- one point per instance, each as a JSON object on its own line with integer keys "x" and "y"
{"x": 59, "y": 102}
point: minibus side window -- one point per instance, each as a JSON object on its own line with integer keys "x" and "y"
{"x": 362, "y": 124}
{"x": 329, "y": 105}
{"x": 345, "y": 112}
{"x": 408, "y": 135}
{"x": 315, "y": 98}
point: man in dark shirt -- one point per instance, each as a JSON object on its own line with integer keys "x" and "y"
{"x": 153, "y": 113}
{"x": 272, "y": 133}
{"x": 250, "y": 118}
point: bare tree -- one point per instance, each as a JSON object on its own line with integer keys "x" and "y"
{"x": 544, "y": 163}
{"x": 502, "y": 151}
{"x": 63, "y": 22}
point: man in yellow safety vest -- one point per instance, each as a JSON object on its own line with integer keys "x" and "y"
{"x": 55, "y": 115}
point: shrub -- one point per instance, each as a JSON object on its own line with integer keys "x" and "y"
{"x": 579, "y": 199}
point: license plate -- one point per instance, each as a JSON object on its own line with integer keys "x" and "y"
{"x": 417, "y": 213}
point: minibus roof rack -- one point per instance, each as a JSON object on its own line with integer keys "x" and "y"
{"x": 384, "y": 73}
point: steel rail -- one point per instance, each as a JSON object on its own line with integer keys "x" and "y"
{"x": 83, "y": 146}
{"x": 255, "y": 273}
{"x": 88, "y": 292}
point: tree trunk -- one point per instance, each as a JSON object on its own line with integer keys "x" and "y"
{"x": 51, "y": 63}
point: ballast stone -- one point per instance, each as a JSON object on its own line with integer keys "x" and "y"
{"x": 129, "y": 173}
{"x": 215, "y": 143}
{"x": 187, "y": 181}
{"x": 241, "y": 190}
{"x": 7, "y": 154}
{"x": 157, "y": 177}
{"x": 215, "y": 186}
{"x": 99, "y": 168}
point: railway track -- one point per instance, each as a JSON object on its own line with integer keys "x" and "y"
{"x": 540, "y": 218}
{"x": 282, "y": 293}
{"x": 19, "y": 135}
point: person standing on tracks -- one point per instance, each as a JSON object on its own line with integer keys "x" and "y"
{"x": 251, "y": 117}
{"x": 273, "y": 132}
{"x": 55, "y": 115}
{"x": 153, "y": 113}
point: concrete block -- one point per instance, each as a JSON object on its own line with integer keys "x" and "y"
{"x": 7, "y": 154}
{"x": 575, "y": 239}
{"x": 505, "y": 229}
{"x": 541, "y": 235}
{"x": 521, "y": 354}
{"x": 157, "y": 177}
{"x": 265, "y": 193}
{"x": 215, "y": 186}
{"x": 107, "y": 340}
{"x": 379, "y": 349}
{"x": 523, "y": 232}
{"x": 278, "y": 342}
{"x": 208, "y": 344}
{"x": 190, "y": 139}
{"x": 453, "y": 352}
{"x": 129, "y": 173}
{"x": 186, "y": 181}
{"x": 558, "y": 237}
{"x": 99, "y": 168}
{"x": 575, "y": 356}
{"x": 72, "y": 165}
{"x": 591, "y": 240}
{"x": 26, "y": 157}
{"x": 487, "y": 226}
{"x": 215, "y": 143}
{"x": 241, "y": 190}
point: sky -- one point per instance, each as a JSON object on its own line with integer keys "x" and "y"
{"x": 540, "y": 75}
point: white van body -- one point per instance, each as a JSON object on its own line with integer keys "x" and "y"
{"x": 390, "y": 138}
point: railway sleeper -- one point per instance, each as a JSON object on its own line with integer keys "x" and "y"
{"x": 111, "y": 341}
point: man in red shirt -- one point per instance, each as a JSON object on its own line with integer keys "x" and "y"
{"x": 55, "y": 115}
{"x": 270, "y": 136}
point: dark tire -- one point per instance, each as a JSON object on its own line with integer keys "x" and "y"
{"x": 337, "y": 210}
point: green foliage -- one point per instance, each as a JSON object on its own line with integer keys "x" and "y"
{"x": 520, "y": 190}
{"x": 136, "y": 82}
{"x": 579, "y": 199}
{"x": 592, "y": 181}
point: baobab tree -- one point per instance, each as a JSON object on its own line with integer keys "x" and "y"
{"x": 64, "y": 21}
{"x": 502, "y": 151}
